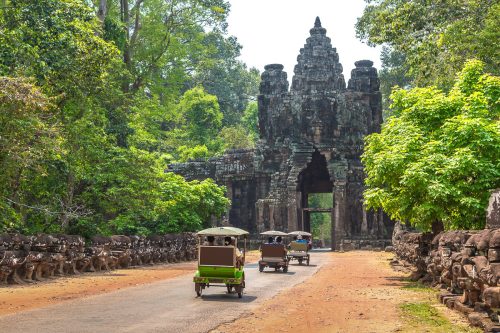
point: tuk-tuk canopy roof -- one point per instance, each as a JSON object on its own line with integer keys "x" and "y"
{"x": 274, "y": 233}
{"x": 223, "y": 231}
{"x": 299, "y": 233}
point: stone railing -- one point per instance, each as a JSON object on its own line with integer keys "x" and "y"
{"x": 36, "y": 258}
{"x": 464, "y": 264}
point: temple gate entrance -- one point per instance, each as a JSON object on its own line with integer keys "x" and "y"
{"x": 310, "y": 141}
{"x": 314, "y": 179}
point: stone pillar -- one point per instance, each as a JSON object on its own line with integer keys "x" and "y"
{"x": 339, "y": 214}
{"x": 364, "y": 223}
{"x": 229, "y": 195}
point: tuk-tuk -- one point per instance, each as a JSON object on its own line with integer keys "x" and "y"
{"x": 299, "y": 247}
{"x": 218, "y": 262}
{"x": 273, "y": 254}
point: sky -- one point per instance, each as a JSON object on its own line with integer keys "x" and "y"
{"x": 273, "y": 31}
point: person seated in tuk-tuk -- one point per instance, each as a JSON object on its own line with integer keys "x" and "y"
{"x": 210, "y": 241}
{"x": 270, "y": 240}
{"x": 239, "y": 255}
{"x": 300, "y": 239}
{"x": 279, "y": 241}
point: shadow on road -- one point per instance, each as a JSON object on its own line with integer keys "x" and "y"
{"x": 298, "y": 265}
{"x": 278, "y": 272}
{"x": 397, "y": 281}
{"x": 231, "y": 298}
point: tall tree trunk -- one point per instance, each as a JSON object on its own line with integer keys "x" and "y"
{"x": 126, "y": 22}
{"x": 125, "y": 17}
{"x": 102, "y": 11}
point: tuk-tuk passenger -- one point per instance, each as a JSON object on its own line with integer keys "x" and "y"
{"x": 279, "y": 241}
{"x": 239, "y": 256}
{"x": 300, "y": 239}
{"x": 210, "y": 241}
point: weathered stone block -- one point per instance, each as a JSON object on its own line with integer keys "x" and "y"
{"x": 493, "y": 210}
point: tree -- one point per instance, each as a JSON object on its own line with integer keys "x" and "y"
{"x": 200, "y": 117}
{"x": 192, "y": 153}
{"x": 251, "y": 120}
{"x": 28, "y": 137}
{"x": 83, "y": 142}
{"x": 56, "y": 43}
{"x": 228, "y": 78}
{"x": 435, "y": 37}
{"x": 438, "y": 155}
{"x": 236, "y": 137}
{"x": 394, "y": 72}
{"x": 161, "y": 41}
{"x": 321, "y": 223}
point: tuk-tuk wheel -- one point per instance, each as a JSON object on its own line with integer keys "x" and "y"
{"x": 229, "y": 288}
{"x": 307, "y": 261}
{"x": 300, "y": 261}
{"x": 197, "y": 288}
{"x": 239, "y": 290}
{"x": 285, "y": 269}
{"x": 261, "y": 268}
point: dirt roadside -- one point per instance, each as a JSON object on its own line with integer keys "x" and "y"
{"x": 354, "y": 292}
{"x": 19, "y": 298}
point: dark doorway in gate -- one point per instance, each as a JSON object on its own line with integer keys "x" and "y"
{"x": 316, "y": 201}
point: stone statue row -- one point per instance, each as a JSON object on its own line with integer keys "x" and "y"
{"x": 25, "y": 259}
{"x": 465, "y": 263}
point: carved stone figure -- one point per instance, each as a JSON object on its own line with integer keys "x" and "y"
{"x": 40, "y": 257}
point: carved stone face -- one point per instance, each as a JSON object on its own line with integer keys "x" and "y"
{"x": 494, "y": 255}
{"x": 445, "y": 252}
{"x": 469, "y": 251}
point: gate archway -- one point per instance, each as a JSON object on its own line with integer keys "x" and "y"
{"x": 315, "y": 178}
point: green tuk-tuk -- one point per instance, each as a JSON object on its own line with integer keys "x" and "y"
{"x": 219, "y": 260}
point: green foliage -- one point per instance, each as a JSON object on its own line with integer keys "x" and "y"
{"x": 228, "y": 78}
{"x": 321, "y": 223}
{"x": 56, "y": 43}
{"x": 28, "y": 137}
{"x": 437, "y": 157}
{"x": 251, "y": 120}
{"x": 192, "y": 153}
{"x": 84, "y": 143}
{"x": 201, "y": 116}
{"x": 436, "y": 38}
{"x": 236, "y": 137}
{"x": 394, "y": 73}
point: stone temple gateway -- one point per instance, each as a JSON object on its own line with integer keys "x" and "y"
{"x": 311, "y": 140}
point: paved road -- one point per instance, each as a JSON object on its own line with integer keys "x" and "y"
{"x": 166, "y": 306}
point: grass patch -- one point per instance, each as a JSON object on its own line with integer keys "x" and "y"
{"x": 423, "y": 313}
{"x": 427, "y": 318}
{"x": 418, "y": 286}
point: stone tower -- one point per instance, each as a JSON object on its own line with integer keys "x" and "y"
{"x": 311, "y": 141}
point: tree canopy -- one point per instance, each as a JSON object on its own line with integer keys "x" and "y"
{"x": 97, "y": 97}
{"x": 438, "y": 155}
{"x": 432, "y": 40}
